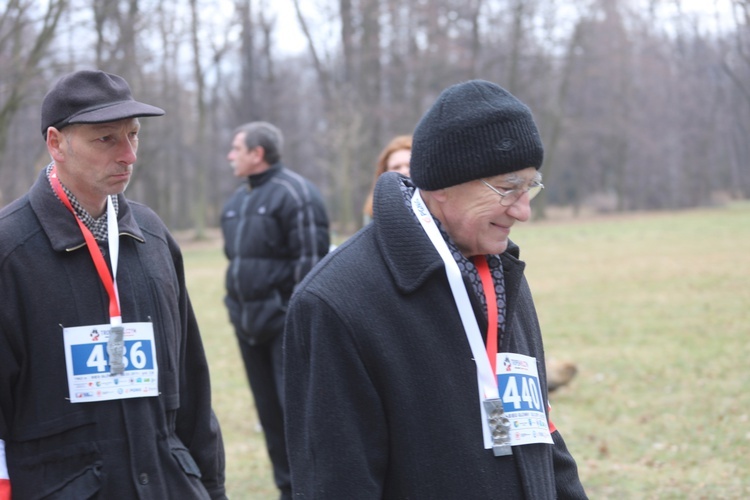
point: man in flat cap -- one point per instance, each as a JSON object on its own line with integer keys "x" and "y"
{"x": 104, "y": 384}
{"x": 414, "y": 365}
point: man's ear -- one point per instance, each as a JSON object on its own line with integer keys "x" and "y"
{"x": 55, "y": 144}
{"x": 439, "y": 195}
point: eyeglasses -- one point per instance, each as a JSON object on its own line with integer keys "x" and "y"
{"x": 508, "y": 198}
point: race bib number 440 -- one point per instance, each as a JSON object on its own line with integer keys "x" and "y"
{"x": 523, "y": 403}
{"x": 88, "y": 370}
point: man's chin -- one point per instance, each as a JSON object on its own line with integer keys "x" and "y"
{"x": 501, "y": 247}
{"x": 118, "y": 187}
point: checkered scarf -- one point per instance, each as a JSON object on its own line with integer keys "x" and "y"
{"x": 98, "y": 227}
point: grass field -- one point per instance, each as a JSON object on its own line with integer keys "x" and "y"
{"x": 654, "y": 310}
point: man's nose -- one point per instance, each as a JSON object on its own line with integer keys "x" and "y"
{"x": 128, "y": 152}
{"x": 521, "y": 208}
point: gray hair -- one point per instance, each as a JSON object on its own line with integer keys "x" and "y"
{"x": 514, "y": 178}
{"x": 265, "y": 135}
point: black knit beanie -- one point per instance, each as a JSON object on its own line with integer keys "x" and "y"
{"x": 475, "y": 129}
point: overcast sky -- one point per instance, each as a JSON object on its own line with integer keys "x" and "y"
{"x": 289, "y": 38}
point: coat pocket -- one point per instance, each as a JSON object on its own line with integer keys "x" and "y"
{"x": 67, "y": 472}
{"x": 185, "y": 459}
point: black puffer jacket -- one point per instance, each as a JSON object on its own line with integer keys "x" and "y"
{"x": 275, "y": 230}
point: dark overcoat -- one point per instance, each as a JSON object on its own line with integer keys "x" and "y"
{"x": 381, "y": 388}
{"x": 167, "y": 446}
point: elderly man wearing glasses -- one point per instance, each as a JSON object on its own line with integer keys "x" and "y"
{"x": 414, "y": 364}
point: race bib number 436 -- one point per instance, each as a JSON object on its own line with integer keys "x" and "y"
{"x": 523, "y": 403}
{"x": 87, "y": 363}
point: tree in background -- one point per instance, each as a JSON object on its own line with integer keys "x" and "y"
{"x": 641, "y": 104}
{"x": 25, "y": 37}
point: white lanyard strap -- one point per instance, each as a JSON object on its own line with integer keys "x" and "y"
{"x": 115, "y": 343}
{"x": 487, "y": 383}
{"x": 113, "y": 241}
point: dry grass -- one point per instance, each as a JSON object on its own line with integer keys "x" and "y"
{"x": 248, "y": 469}
{"x": 653, "y": 309}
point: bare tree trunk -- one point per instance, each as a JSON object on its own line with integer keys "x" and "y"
{"x": 199, "y": 149}
{"x": 271, "y": 107}
{"x": 476, "y": 41}
{"x": 168, "y": 156}
{"x": 324, "y": 77}
{"x": 369, "y": 82}
{"x": 555, "y": 118}
{"x": 740, "y": 48}
{"x": 246, "y": 106}
{"x": 120, "y": 56}
{"x": 103, "y": 10}
{"x": 347, "y": 39}
{"x": 25, "y": 64}
{"x": 517, "y": 42}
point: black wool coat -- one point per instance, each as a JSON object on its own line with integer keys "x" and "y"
{"x": 167, "y": 446}
{"x": 381, "y": 388}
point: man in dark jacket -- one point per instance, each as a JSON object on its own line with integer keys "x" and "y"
{"x": 275, "y": 230}
{"x": 414, "y": 363}
{"x": 104, "y": 385}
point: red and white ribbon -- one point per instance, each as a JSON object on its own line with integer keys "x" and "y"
{"x": 4, "y": 478}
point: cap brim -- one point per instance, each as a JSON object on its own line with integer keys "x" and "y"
{"x": 115, "y": 112}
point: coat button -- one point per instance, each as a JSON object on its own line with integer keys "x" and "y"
{"x": 143, "y": 478}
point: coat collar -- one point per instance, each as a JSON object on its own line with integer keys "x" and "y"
{"x": 60, "y": 225}
{"x": 407, "y": 250}
{"x": 410, "y": 256}
{"x": 258, "y": 179}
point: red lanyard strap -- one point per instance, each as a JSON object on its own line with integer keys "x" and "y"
{"x": 488, "y": 285}
{"x": 93, "y": 246}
